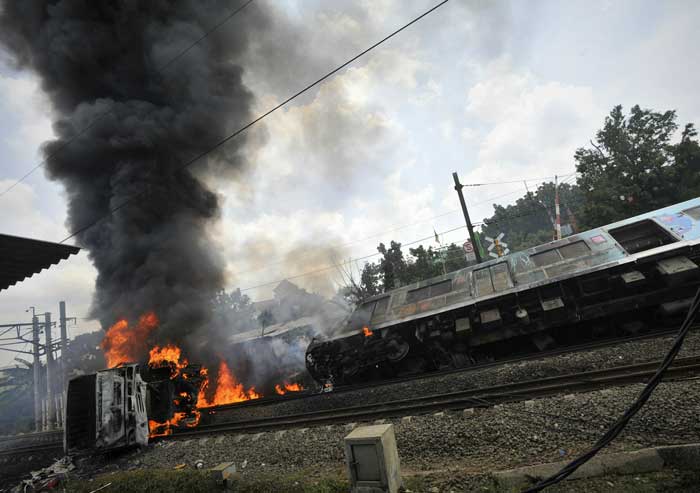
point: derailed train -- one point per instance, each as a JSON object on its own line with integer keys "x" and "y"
{"x": 623, "y": 278}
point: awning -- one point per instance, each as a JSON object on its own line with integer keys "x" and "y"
{"x": 21, "y": 258}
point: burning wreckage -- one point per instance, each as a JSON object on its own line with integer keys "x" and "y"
{"x": 128, "y": 403}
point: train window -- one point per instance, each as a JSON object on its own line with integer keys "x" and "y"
{"x": 546, "y": 258}
{"x": 418, "y": 294}
{"x": 362, "y": 315}
{"x": 641, "y": 236}
{"x": 693, "y": 212}
{"x": 381, "y": 306}
{"x": 576, "y": 249}
{"x": 501, "y": 277}
{"x": 482, "y": 282}
{"x": 441, "y": 288}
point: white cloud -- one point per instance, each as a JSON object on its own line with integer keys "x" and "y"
{"x": 531, "y": 127}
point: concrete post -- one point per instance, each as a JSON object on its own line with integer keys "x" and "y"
{"x": 50, "y": 373}
{"x": 37, "y": 375}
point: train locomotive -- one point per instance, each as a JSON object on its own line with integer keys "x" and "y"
{"x": 622, "y": 279}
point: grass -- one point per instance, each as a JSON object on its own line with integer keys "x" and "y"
{"x": 191, "y": 481}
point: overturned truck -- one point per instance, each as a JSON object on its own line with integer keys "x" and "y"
{"x": 626, "y": 278}
{"x": 122, "y": 406}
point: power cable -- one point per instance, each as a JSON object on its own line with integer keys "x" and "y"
{"x": 347, "y": 262}
{"x": 282, "y": 260}
{"x": 264, "y": 115}
{"x": 102, "y": 115}
{"x": 642, "y": 398}
{"x": 514, "y": 181}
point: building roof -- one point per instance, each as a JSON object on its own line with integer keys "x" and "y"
{"x": 21, "y": 258}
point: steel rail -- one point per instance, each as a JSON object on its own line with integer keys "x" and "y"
{"x": 275, "y": 399}
{"x": 470, "y": 398}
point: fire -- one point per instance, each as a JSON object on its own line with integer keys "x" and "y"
{"x": 366, "y": 331}
{"x": 156, "y": 429}
{"x": 169, "y": 355}
{"x": 124, "y": 343}
{"x": 228, "y": 390}
{"x": 288, "y": 387}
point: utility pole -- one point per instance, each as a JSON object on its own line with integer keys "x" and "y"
{"x": 458, "y": 187}
{"x": 557, "y": 225}
{"x": 64, "y": 343}
{"x": 50, "y": 404}
{"x": 36, "y": 367}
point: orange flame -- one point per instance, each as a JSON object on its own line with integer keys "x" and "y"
{"x": 156, "y": 429}
{"x": 123, "y": 343}
{"x": 288, "y": 387}
{"x": 366, "y": 331}
{"x": 228, "y": 390}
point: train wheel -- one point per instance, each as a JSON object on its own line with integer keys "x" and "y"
{"x": 398, "y": 349}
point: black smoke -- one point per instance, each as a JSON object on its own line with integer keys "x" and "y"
{"x": 101, "y": 63}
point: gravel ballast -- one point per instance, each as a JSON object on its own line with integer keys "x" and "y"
{"x": 597, "y": 359}
{"x": 474, "y": 443}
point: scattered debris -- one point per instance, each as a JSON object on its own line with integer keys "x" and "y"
{"x": 47, "y": 478}
{"x": 180, "y": 466}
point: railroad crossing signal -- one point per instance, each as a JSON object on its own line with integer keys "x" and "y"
{"x": 497, "y": 248}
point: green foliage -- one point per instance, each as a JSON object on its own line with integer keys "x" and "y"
{"x": 633, "y": 167}
{"x": 394, "y": 269}
{"x": 530, "y": 220}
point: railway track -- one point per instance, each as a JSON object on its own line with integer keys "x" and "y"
{"x": 471, "y": 398}
{"x": 31, "y": 441}
{"x": 436, "y": 374}
{"x": 483, "y": 397}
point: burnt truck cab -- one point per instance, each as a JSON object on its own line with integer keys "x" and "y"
{"x": 106, "y": 410}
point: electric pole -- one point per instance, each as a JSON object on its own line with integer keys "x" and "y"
{"x": 557, "y": 226}
{"x": 458, "y": 187}
{"x": 36, "y": 367}
{"x": 50, "y": 404}
{"x": 64, "y": 343}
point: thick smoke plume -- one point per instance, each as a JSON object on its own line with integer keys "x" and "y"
{"x": 107, "y": 63}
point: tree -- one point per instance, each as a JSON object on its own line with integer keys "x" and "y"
{"x": 234, "y": 310}
{"x": 686, "y": 167}
{"x": 392, "y": 266}
{"x": 530, "y": 221}
{"x": 632, "y": 167}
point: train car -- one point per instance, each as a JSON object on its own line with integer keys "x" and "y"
{"x": 624, "y": 278}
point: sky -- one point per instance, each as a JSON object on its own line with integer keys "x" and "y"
{"x": 497, "y": 91}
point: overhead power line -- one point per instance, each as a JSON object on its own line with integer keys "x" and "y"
{"x": 516, "y": 181}
{"x": 105, "y": 113}
{"x": 265, "y": 114}
{"x": 347, "y": 262}
{"x": 281, "y": 260}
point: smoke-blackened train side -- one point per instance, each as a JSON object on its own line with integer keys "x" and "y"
{"x": 624, "y": 278}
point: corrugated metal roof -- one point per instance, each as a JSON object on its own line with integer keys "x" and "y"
{"x": 23, "y": 257}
